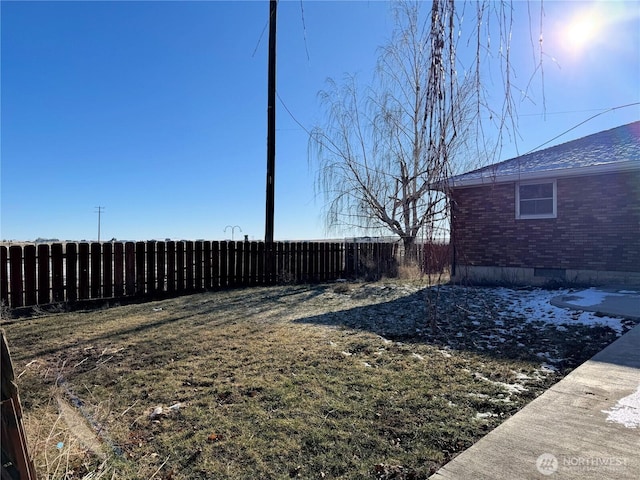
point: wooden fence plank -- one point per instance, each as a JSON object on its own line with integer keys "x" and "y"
{"x": 118, "y": 269}
{"x": 4, "y": 275}
{"x": 30, "y": 275}
{"x": 224, "y": 264}
{"x": 246, "y": 263}
{"x": 286, "y": 263}
{"x": 315, "y": 257}
{"x": 322, "y": 262}
{"x": 71, "y": 271}
{"x": 295, "y": 262}
{"x": 206, "y": 253}
{"x": 260, "y": 280}
{"x": 151, "y": 267}
{"x": 171, "y": 267}
{"x": 140, "y": 268}
{"x": 15, "y": 276}
{"x": 83, "y": 271}
{"x": 231, "y": 264}
{"x": 96, "y": 269}
{"x": 161, "y": 264}
{"x": 269, "y": 263}
{"x": 253, "y": 260}
{"x": 279, "y": 262}
{"x": 307, "y": 266}
{"x": 130, "y": 268}
{"x": 16, "y": 462}
{"x": 199, "y": 265}
{"x": 180, "y": 266}
{"x": 215, "y": 264}
{"x": 239, "y": 259}
{"x": 57, "y": 272}
{"x": 44, "y": 274}
{"x": 107, "y": 270}
{"x": 189, "y": 267}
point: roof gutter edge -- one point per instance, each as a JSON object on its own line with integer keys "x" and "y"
{"x": 625, "y": 166}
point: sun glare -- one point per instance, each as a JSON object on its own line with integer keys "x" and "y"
{"x": 583, "y": 30}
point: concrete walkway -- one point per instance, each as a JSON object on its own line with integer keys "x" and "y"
{"x": 617, "y": 302}
{"x": 587, "y": 426}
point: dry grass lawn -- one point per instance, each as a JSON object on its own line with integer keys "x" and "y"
{"x": 326, "y": 381}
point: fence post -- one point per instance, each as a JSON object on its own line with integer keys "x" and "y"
{"x": 13, "y": 438}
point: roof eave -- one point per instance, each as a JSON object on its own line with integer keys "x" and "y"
{"x": 624, "y": 166}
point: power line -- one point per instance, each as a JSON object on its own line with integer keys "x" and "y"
{"x": 582, "y": 123}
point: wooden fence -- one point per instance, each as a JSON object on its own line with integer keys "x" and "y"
{"x": 59, "y": 273}
{"x": 16, "y": 462}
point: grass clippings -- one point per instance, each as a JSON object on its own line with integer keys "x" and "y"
{"x": 327, "y": 381}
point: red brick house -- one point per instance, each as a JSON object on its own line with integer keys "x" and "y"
{"x": 569, "y": 213}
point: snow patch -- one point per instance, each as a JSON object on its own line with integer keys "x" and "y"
{"x": 593, "y": 297}
{"x": 535, "y": 306}
{"x": 626, "y": 411}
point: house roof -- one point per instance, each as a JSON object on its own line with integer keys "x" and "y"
{"x": 608, "y": 151}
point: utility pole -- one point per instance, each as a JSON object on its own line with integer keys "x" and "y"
{"x": 271, "y": 123}
{"x": 99, "y": 211}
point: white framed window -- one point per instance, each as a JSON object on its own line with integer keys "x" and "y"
{"x": 536, "y": 200}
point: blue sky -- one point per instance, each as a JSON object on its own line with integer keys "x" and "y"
{"x": 157, "y": 110}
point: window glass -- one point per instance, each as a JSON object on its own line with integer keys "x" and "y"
{"x": 536, "y": 199}
{"x": 539, "y": 190}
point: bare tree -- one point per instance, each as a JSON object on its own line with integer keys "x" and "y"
{"x": 381, "y": 152}
{"x": 386, "y": 155}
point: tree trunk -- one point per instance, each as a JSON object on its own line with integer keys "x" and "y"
{"x": 410, "y": 251}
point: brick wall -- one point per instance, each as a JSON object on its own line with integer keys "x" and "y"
{"x": 597, "y": 227}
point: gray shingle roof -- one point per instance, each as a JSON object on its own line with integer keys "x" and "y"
{"x": 607, "y": 151}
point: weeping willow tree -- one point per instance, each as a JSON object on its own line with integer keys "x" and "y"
{"x": 385, "y": 152}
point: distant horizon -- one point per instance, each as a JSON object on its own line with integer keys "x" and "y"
{"x": 361, "y": 239}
